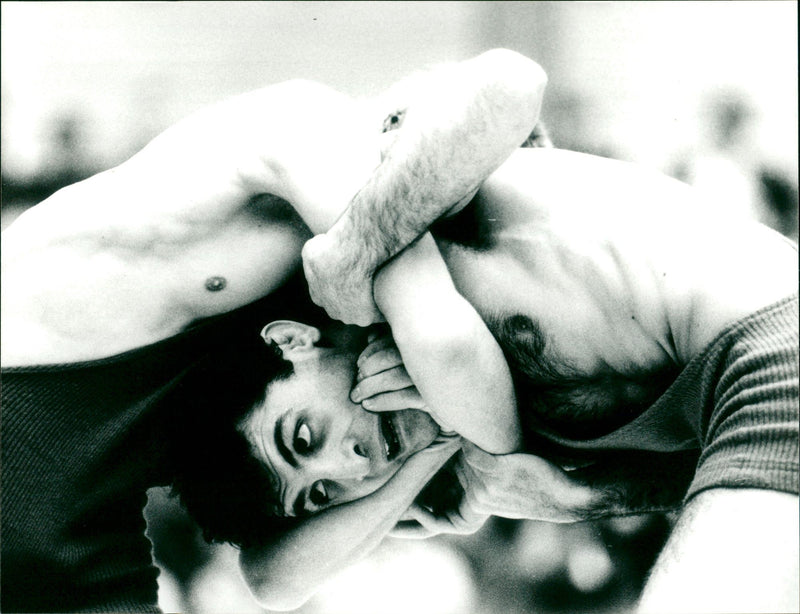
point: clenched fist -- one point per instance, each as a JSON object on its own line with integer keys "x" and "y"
{"x": 339, "y": 282}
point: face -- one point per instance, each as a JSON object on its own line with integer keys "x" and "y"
{"x": 324, "y": 449}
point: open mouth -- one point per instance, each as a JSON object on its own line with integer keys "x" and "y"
{"x": 391, "y": 442}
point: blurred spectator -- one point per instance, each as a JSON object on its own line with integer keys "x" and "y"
{"x": 595, "y": 567}
{"x": 574, "y": 123}
{"x": 66, "y": 160}
{"x": 735, "y": 176}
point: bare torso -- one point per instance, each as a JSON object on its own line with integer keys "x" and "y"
{"x": 559, "y": 254}
{"x": 600, "y": 289}
{"x": 135, "y": 254}
{"x": 69, "y": 298}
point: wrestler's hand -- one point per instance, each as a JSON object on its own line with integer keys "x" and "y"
{"x": 510, "y": 485}
{"x": 420, "y": 523}
{"x": 339, "y": 281}
{"x": 383, "y": 384}
{"x": 520, "y": 485}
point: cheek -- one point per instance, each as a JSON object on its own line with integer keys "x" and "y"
{"x": 367, "y": 487}
{"x": 418, "y": 427}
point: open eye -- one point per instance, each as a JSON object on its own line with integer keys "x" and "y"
{"x": 302, "y": 439}
{"x": 318, "y": 494}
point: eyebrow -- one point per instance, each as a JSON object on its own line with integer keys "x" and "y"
{"x": 285, "y": 452}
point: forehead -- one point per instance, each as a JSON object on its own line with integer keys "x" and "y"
{"x": 271, "y": 420}
{"x": 259, "y": 428}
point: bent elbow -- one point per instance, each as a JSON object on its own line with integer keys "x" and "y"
{"x": 521, "y": 79}
{"x": 278, "y": 595}
{"x": 513, "y": 91}
{"x": 276, "y": 587}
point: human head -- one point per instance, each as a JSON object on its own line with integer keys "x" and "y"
{"x": 321, "y": 448}
{"x": 225, "y": 489}
{"x": 227, "y": 468}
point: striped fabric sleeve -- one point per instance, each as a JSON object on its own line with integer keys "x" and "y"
{"x": 750, "y": 435}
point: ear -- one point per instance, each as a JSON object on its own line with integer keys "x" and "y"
{"x": 295, "y": 339}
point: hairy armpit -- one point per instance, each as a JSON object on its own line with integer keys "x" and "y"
{"x": 571, "y": 403}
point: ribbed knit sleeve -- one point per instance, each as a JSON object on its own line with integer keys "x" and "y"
{"x": 749, "y": 429}
{"x": 81, "y": 444}
{"x": 736, "y": 402}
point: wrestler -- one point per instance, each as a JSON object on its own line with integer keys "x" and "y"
{"x": 122, "y": 291}
{"x": 630, "y": 321}
{"x": 623, "y": 350}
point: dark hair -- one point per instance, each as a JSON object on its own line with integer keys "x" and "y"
{"x": 225, "y": 489}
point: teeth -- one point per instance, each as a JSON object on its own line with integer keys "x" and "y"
{"x": 384, "y": 422}
{"x": 390, "y": 444}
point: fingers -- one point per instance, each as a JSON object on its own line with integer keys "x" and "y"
{"x": 475, "y": 501}
{"x": 410, "y": 530}
{"x": 477, "y": 458}
{"x": 469, "y": 483}
{"x": 421, "y": 466}
{"x": 386, "y": 381}
{"x": 362, "y": 315}
{"x": 444, "y": 445}
{"x": 380, "y": 355}
{"x": 463, "y": 521}
{"x": 429, "y": 524}
{"x": 427, "y": 519}
{"x": 383, "y": 382}
{"x": 407, "y": 398}
{"x": 466, "y": 521}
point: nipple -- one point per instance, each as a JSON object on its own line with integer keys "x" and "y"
{"x": 216, "y": 283}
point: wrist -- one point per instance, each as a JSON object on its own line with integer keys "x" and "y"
{"x": 580, "y": 502}
{"x": 350, "y": 247}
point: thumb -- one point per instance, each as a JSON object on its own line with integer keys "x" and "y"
{"x": 478, "y": 459}
{"x": 375, "y": 408}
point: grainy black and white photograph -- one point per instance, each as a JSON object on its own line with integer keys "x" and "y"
{"x": 399, "y": 307}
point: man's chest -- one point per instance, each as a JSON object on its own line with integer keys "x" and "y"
{"x": 580, "y": 360}
{"x": 554, "y": 394}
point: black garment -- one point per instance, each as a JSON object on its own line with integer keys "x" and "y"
{"x": 81, "y": 444}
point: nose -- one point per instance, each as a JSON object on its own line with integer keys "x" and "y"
{"x": 355, "y": 446}
{"x": 345, "y": 460}
{"x": 354, "y": 460}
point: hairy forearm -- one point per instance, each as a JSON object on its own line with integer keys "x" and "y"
{"x": 449, "y": 353}
{"x": 636, "y": 482}
{"x": 453, "y": 137}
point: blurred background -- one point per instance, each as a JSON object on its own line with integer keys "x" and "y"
{"x": 705, "y": 91}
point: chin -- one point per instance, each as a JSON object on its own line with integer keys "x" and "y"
{"x": 417, "y": 429}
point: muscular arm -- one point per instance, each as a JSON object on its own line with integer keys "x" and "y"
{"x": 457, "y": 129}
{"x": 151, "y": 231}
{"x": 286, "y": 573}
{"x": 450, "y": 355}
